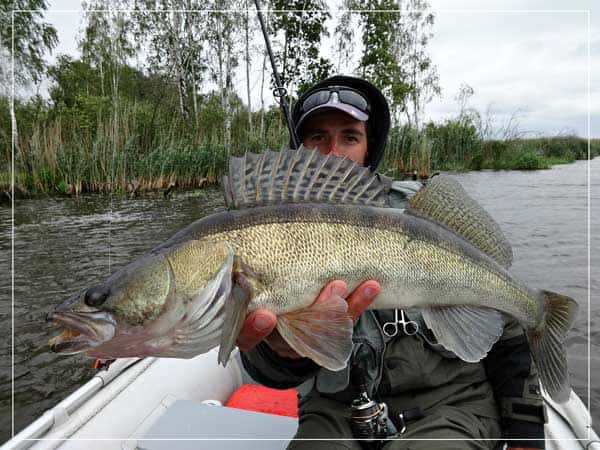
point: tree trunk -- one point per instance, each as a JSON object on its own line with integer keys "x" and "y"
{"x": 102, "y": 77}
{"x": 247, "y": 26}
{"x": 178, "y": 57}
{"x": 192, "y": 71}
{"x": 262, "y": 96}
{"x": 226, "y": 101}
{"x": 13, "y": 122}
{"x": 181, "y": 87}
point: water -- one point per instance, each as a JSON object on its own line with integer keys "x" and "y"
{"x": 62, "y": 245}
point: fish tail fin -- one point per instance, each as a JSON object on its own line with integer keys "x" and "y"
{"x": 546, "y": 343}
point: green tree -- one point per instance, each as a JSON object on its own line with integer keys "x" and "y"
{"x": 32, "y": 38}
{"x": 72, "y": 78}
{"x": 379, "y": 62}
{"x": 344, "y": 35}
{"x": 107, "y": 43}
{"x": 24, "y": 39}
{"x": 419, "y": 73}
{"x": 175, "y": 31}
{"x": 223, "y": 35}
{"x": 302, "y": 25}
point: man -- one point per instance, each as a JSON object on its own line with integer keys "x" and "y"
{"x": 450, "y": 400}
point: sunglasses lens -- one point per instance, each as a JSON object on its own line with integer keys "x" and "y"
{"x": 316, "y": 99}
{"x": 344, "y": 96}
{"x": 354, "y": 99}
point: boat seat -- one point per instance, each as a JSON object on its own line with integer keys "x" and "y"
{"x": 190, "y": 425}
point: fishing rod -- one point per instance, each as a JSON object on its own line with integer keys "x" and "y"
{"x": 280, "y": 92}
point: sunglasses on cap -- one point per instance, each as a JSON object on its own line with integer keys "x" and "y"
{"x": 347, "y": 99}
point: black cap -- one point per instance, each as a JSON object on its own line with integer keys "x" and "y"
{"x": 378, "y": 123}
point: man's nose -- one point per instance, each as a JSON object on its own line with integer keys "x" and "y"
{"x": 334, "y": 147}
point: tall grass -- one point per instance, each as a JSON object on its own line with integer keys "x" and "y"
{"x": 89, "y": 148}
{"x": 134, "y": 150}
{"x": 457, "y": 145}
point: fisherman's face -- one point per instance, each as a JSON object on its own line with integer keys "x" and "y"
{"x": 338, "y": 133}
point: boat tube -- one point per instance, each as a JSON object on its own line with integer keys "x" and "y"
{"x": 160, "y": 403}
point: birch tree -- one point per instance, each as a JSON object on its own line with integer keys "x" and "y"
{"x": 25, "y": 44}
{"x": 247, "y": 32}
{"x": 302, "y": 28}
{"x": 344, "y": 37}
{"x": 106, "y": 42}
{"x": 379, "y": 62}
{"x": 107, "y": 45}
{"x": 419, "y": 73}
{"x": 224, "y": 29}
{"x": 174, "y": 31}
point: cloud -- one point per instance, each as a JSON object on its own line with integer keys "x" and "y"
{"x": 536, "y": 60}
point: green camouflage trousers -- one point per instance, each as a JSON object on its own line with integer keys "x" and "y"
{"x": 445, "y": 428}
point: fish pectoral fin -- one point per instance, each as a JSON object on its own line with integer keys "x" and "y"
{"x": 236, "y": 309}
{"x": 467, "y": 331}
{"x": 199, "y": 329}
{"x": 321, "y": 332}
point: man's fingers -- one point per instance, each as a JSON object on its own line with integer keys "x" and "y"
{"x": 258, "y": 325}
{"x": 362, "y": 297}
{"x": 335, "y": 287}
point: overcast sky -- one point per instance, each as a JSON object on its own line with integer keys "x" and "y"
{"x": 523, "y": 58}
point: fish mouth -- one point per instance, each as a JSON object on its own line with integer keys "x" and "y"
{"x": 81, "y": 330}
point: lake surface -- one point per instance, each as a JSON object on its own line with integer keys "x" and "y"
{"x": 65, "y": 244}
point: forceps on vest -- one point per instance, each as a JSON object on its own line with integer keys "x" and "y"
{"x": 390, "y": 329}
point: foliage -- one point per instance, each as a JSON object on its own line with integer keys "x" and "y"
{"x": 109, "y": 126}
{"x": 107, "y": 41}
{"x": 31, "y": 38}
{"x": 302, "y": 23}
{"x": 379, "y": 62}
{"x": 344, "y": 34}
{"x": 454, "y": 143}
{"x": 419, "y": 73}
{"x": 175, "y": 31}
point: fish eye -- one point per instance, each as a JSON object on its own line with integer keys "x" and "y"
{"x": 96, "y": 295}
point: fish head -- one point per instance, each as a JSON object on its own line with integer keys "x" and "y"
{"x": 141, "y": 309}
{"x": 125, "y": 304}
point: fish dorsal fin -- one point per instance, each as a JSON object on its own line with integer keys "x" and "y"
{"x": 446, "y": 202}
{"x": 301, "y": 176}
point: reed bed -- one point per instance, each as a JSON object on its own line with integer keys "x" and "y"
{"x": 129, "y": 151}
{"x": 134, "y": 146}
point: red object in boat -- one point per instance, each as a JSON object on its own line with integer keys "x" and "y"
{"x": 254, "y": 397}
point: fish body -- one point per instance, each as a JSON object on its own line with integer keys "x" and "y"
{"x": 295, "y": 249}
{"x": 272, "y": 251}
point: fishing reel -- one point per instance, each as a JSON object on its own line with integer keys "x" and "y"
{"x": 369, "y": 420}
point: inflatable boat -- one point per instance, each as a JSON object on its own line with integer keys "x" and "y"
{"x": 159, "y": 404}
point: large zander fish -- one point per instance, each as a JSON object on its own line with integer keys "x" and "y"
{"x": 296, "y": 220}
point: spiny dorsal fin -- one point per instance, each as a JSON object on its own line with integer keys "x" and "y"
{"x": 300, "y": 176}
{"x": 445, "y": 201}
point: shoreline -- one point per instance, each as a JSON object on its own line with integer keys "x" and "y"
{"x": 163, "y": 185}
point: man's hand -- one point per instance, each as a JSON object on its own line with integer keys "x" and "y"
{"x": 260, "y": 324}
